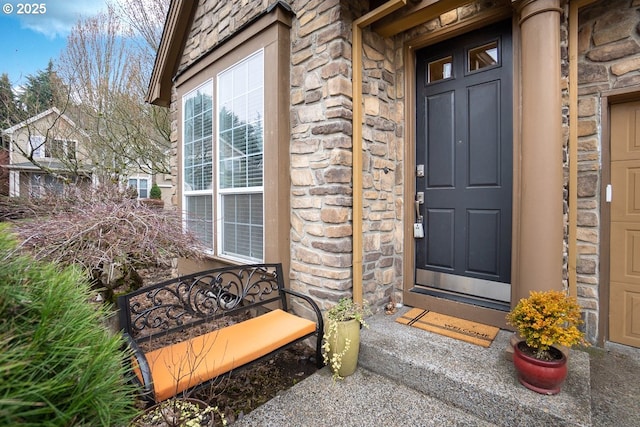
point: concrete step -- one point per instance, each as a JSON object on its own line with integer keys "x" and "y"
{"x": 478, "y": 381}
{"x": 364, "y": 399}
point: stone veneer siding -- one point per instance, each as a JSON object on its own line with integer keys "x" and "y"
{"x": 321, "y": 151}
{"x": 321, "y": 119}
{"x": 609, "y": 55}
{"x": 321, "y": 132}
{"x": 321, "y": 143}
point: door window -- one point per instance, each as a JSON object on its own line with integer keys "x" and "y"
{"x": 483, "y": 56}
{"x": 440, "y": 69}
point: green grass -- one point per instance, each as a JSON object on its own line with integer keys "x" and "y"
{"x": 59, "y": 364}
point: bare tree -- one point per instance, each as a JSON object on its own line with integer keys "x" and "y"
{"x": 146, "y": 18}
{"x": 103, "y": 230}
{"x": 146, "y": 22}
{"x": 106, "y": 72}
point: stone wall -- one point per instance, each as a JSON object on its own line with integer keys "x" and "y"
{"x": 321, "y": 144}
{"x": 564, "y": 69}
{"x": 217, "y": 20}
{"x": 321, "y": 134}
{"x": 383, "y": 192}
{"x": 321, "y": 111}
{"x": 321, "y": 139}
{"x": 609, "y": 54}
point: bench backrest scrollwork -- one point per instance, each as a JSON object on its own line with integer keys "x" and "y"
{"x": 201, "y": 297}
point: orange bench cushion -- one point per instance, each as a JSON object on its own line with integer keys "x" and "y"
{"x": 186, "y": 364}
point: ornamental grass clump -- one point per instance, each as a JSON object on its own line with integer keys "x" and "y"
{"x": 59, "y": 364}
{"x": 545, "y": 319}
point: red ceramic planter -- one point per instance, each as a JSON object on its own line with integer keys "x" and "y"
{"x": 541, "y": 376}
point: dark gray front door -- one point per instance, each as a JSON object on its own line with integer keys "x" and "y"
{"x": 464, "y": 148}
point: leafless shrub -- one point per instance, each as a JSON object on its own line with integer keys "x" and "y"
{"x": 12, "y": 208}
{"x": 58, "y": 200}
{"x": 103, "y": 230}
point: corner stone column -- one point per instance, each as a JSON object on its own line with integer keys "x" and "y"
{"x": 538, "y": 259}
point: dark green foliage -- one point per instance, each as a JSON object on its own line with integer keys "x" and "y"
{"x": 155, "y": 192}
{"x": 42, "y": 91}
{"x": 8, "y": 106}
{"x": 59, "y": 364}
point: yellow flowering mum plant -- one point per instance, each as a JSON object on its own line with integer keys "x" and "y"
{"x": 546, "y": 319}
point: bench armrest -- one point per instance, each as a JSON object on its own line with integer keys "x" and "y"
{"x": 143, "y": 366}
{"x": 311, "y": 302}
{"x": 320, "y": 323}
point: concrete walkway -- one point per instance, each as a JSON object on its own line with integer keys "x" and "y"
{"x": 409, "y": 377}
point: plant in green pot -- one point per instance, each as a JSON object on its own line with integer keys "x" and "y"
{"x": 545, "y": 320}
{"x": 342, "y": 336}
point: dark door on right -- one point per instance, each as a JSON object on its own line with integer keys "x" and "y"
{"x": 464, "y": 145}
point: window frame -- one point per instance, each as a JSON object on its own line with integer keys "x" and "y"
{"x": 69, "y": 149}
{"x": 233, "y": 190}
{"x": 36, "y": 146}
{"x": 41, "y": 183}
{"x": 467, "y": 50}
{"x": 209, "y": 84}
{"x": 271, "y": 33}
{"x": 138, "y": 179}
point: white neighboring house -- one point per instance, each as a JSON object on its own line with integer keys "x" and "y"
{"x": 60, "y": 146}
{"x": 56, "y": 144}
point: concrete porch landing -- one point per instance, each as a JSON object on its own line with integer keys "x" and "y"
{"x": 410, "y": 377}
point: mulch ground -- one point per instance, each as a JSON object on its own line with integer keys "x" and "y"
{"x": 243, "y": 391}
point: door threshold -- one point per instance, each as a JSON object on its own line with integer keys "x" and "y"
{"x": 465, "y": 299}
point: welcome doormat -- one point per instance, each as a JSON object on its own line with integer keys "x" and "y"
{"x": 464, "y": 330}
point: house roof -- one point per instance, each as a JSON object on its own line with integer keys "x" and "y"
{"x": 49, "y": 164}
{"x": 33, "y": 119}
{"x": 174, "y": 37}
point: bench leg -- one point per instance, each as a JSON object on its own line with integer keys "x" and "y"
{"x": 319, "y": 358}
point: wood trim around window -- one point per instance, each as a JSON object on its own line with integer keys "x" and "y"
{"x": 271, "y": 34}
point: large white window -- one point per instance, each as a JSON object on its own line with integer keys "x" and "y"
{"x": 234, "y": 195}
{"x": 41, "y": 184}
{"x": 240, "y": 136}
{"x": 60, "y": 149}
{"x": 36, "y": 146}
{"x": 197, "y": 162}
{"x": 141, "y": 185}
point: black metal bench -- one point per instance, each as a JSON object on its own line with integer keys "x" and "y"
{"x": 188, "y": 331}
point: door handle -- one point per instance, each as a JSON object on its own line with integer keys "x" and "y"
{"x": 419, "y": 201}
{"x": 418, "y": 228}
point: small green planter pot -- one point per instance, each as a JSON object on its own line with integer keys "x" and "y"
{"x": 348, "y": 330}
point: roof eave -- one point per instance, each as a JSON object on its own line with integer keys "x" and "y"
{"x": 174, "y": 35}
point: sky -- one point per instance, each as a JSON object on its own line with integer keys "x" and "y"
{"x": 28, "y": 40}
